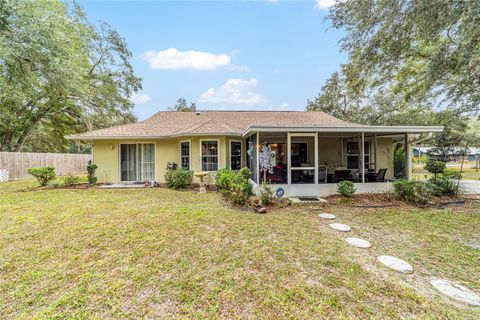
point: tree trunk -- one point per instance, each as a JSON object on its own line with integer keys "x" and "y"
{"x": 461, "y": 166}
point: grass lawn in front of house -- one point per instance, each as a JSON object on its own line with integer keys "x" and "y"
{"x": 74, "y": 254}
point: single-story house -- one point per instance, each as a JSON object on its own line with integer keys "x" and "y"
{"x": 311, "y": 151}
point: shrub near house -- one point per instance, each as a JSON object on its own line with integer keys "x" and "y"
{"x": 235, "y": 186}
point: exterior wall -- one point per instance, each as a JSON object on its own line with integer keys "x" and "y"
{"x": 107, "y": 157}
{"x": 385, "y": 156}
{"x": 106, "y": 154}
{"x": 329, "y": 151}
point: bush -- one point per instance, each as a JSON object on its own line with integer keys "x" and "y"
{"x": 443, "y": 186}
{"x": 178, "y": 178}
{"x": 70, "y": 180}
{"x": 346, "y": 188}
{"x": 266, "y": 194}
{"x": 412, "y": 191}
{"x": 235, "y": 186}
{"x": 91, "y": 168}
{"x": 55, "y": 183}
{"x": 451, "y": 174}
{"x": 43, "y": 174}
{"x": 435, "y": 167}
{"x": 224, "y": 179}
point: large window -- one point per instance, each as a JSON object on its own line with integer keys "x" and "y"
{"x": 137, "y": 162}
{"x": 235, "y": 155}
{"x": 185, "y": 154}
{"x": 209, "y": 153}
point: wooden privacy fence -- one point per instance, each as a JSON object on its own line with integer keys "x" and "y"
{"x": 17, "y": 163}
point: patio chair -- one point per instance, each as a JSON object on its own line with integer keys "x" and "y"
{"x": 322, "y": 174}
{"x": 376, "y": 177}
{"x": 341, "y": 175}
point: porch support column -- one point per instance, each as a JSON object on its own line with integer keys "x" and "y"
{"x": 362, "y": 157}
{"x": 289, "y": 165}
{"x": 257, "y": 146}
{"x": 408, "y": 158}
{"x": 375, "y": 145}
{"x": 316, "y": 159}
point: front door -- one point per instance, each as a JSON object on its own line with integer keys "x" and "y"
{"x": 303, "y": 164}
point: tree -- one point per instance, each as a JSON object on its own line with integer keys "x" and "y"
{"x": 58, "y": 72}
{"x": 423, "y": 48}
{"x": 182, "y": 106}
{"x": 336, "y": 99}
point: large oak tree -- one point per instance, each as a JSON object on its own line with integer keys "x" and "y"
{"x": 59, "y": 74}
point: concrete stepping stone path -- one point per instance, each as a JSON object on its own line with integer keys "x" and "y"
{"x": 340, "y": 227}
{"x": 456, "y": 291}
{"x": 359, "y": 243}
{"x": 395, "y": 263}
{"x": 327, "y": 216}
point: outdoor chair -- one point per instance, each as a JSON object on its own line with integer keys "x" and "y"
{"x": 376, "y": 177}
{"x": 341, "y": 175}
{"x": 322, "y": 174}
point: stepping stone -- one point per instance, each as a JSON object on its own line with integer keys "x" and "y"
{"x": 328, "y": 216}
{"x": 456, "y": 291}
{"x": 359, "y": 243}
{"x": 395, "y": 263}
{"x": 340, "y": 227}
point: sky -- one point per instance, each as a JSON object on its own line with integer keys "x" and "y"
{"x": 225, "y": 55}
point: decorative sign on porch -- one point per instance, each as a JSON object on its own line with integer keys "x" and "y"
{"x": 250, "y": 150}
{"x": 279, "y": 192}
{"x": 266, "y": 160}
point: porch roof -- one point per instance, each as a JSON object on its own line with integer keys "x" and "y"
{"x": 387, "y": 130}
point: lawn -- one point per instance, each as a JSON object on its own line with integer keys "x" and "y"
{"x": 157, "y": 253}
{"x": 469, "y": 171}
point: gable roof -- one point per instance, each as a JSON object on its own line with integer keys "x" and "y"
{"x": 166, "y": 124}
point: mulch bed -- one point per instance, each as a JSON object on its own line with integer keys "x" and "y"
{"x": 384, "y": 200}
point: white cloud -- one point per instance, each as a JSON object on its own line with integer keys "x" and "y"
{"x": 234, "y": 91}
{"x": 174, "y": 60}
{"x": 140, "y": 98}
{"x": 325, "y": 4}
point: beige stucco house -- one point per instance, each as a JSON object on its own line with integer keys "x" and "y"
{"x": 312, "y": 151}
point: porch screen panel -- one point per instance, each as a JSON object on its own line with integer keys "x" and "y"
{"x": 147, "y": 161}
{"x": 252, "y": 160}
{"x": 277, "y": 141}
{"x": 128, "y": 162}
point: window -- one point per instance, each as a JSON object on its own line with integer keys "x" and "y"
{"x": 353, "y": 154}
{"x": 185, "y": 155}
{"x": 235, "y": 155}
{"x": 209, "y": 154}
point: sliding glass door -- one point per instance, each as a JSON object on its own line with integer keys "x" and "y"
{"x": 137, "y": 162}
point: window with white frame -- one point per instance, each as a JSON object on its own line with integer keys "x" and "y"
{"x": 185, "y": 155}
{"x": 209, "y": 153}
{"x": 235, "y": 155}
{"x": 353, "y": 154}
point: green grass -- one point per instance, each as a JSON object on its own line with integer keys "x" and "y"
{"x": 150, "y": 253}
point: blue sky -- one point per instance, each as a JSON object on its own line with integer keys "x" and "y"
{"x": 235, "y": 55}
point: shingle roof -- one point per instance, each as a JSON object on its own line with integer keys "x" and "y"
{"x": 174, "y": 124}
